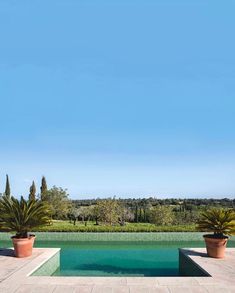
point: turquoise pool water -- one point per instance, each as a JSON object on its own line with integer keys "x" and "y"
{"x": 118, "y": 259}
{"x": 113, "y": 258}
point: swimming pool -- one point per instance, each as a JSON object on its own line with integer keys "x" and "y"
{"x": 119, "y": 258}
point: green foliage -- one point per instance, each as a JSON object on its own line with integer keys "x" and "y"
{"x": 58, "y": 201}
{"x": 141, "y": 211}
{"x": 138, "y": 210}
{"x": 181, "y": 204}
{"x": 185, "y": 217}
{"x": 108, "y": 211}
{"x": 43, "y": 188}
{"x": 219, "y": 221}
{"x": 85, "y": 213}
{"x": 73, "y": 214}
{"x": 22, "y": 216}
{"x": 161, "y": 215}
{"x": 95, "y": 213}
{"x": 113, "y": 212}
{"x": 7, "y": 189}
{"x": 125, "y": 215}
{"x": 32, "y": 191}
{"x": 66, "y": 226}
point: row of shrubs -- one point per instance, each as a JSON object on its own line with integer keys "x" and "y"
{"x": 107, "y": 228}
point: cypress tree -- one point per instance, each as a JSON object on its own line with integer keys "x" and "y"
{"x": 7, "y": 189}
{"x": 43, "y": 188}
{"x": 136, "y": 213}
{"x": 32, "y": 191}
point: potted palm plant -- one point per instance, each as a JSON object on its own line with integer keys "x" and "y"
{"x": 22, "y": 216}
{"x": 222, "y": 223}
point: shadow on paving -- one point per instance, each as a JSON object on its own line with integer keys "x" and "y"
{"x": 7, "y": 252}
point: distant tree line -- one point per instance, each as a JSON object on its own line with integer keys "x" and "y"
{"x": 185, "y": 203}
{"x": 113, "y": 211}
{"x": 171, "y": 211}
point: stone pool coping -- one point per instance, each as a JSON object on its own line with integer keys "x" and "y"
{"x": 15, "y": 276}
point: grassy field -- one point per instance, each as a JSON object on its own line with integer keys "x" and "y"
{"x": 66, "y": 226}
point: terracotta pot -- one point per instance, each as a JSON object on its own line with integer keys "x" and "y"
{"x": 23, "y": 246}
{"x": 215, "y": 246}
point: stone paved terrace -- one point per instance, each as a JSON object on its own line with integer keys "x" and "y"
{"x": 15, "y": 276}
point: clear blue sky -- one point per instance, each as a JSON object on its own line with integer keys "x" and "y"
{"x": 126, "y": 98}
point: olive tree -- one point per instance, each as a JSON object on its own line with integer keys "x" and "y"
{"x": 73, "y": 214}
{"x": 125, "y": 215}
{"x": 161, "y": 215}
{"x": 108, "y": 210}
{"x": 85, "y": 214}
{"x": 59, "y": 202}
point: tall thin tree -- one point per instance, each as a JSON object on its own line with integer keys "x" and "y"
{"x": 32, "y": 191}
{"x": 7, "y": 189}
{"x": 43, "y": 188}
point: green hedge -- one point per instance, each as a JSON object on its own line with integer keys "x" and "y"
{"x": 63, "y": 226}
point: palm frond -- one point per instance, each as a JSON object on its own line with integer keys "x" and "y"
{"x": 22, "y": 216}
{"x": 218, "y": 221}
